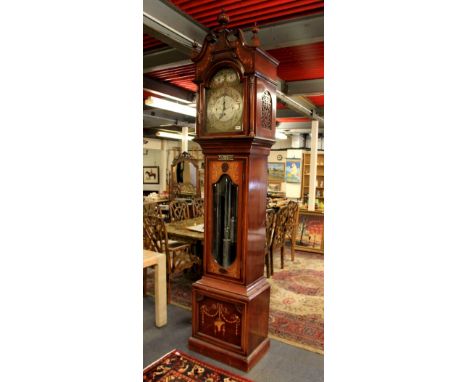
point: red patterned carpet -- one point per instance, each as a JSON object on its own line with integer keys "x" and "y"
{"x": 296, "y": 302}
{"x": 177, "y": 366}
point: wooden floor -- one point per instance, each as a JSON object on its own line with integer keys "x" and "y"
{"x": 282, "y": 363}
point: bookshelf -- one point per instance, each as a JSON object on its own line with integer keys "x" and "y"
{"x": 320, "y": 179}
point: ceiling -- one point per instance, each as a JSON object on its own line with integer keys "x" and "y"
{"x": 290, "y": 30}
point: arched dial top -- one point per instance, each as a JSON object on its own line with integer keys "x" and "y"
{"x": 224, "y": 102}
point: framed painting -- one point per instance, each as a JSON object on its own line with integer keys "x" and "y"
{"x": 274, "y": 186}
{"x": 151, "y": 175}
{"x": 276, "y": 171}
{"x": 293, "y": 171}
{"x": 309, "y": 233}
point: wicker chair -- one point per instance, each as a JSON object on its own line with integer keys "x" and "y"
{"x": 178, "y": 255}
{"x": 269, "y": 227}
{"x": 178, "y": 210}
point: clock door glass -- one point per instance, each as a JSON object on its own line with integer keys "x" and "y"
{"x": 225, "y": 195}
{"x": 224, "y": 102}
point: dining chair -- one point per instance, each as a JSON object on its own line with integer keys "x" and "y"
{"x": 151, "y": 209}
{"x": 279, "y": 235}
{"x": 269, "y": 227}
{"x": 178, "y": 210}
{"x": 198, "y": 206}
{"x": 178, "y": 254}
{"x": 291, "y": 225}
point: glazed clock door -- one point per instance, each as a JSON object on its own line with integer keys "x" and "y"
{"x": 223, "y": 217}
{"x": 225, "y": 195}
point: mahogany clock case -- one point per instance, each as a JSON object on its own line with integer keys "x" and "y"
{"x": 231, "y": 300}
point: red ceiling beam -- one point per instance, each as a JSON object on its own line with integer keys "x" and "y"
{"x": 187, "y": 6}
{"x": 234, "y": 9}
{"x": 317, "y": 100}
{"x": 212, "y": 7}
{"x": 293, "y": 119}
{"x": 266, "y": 15}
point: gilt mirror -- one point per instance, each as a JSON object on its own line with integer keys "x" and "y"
{"x": 185, "y": 177}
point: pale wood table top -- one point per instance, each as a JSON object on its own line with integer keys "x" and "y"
{"x": 179, "y": 229}
{"x": 157, "y": 201}
{"x": 151, "y": 258}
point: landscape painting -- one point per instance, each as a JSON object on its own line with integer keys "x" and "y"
{"x": 276, "y": 172}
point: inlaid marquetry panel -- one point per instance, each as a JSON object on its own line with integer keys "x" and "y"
{"x": 221, "y": 320}
{"x": 234, "y": 168}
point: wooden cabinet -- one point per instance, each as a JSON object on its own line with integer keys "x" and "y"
{"x": 320, "y": 179}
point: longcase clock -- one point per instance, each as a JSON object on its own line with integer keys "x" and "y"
{"x": 235, "y": 129}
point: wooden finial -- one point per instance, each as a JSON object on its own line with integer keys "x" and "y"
{"x": 223, "y": 18}
{"x": 255, "y": 40}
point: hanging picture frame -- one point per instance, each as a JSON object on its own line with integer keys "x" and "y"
{"x": 293, "y": 171}
{"x": 274, "y": 186}
{"x": 151, "y": 175}
{"x": 275, "y": 172}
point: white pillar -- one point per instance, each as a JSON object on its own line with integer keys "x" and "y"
{"x": 184, "y": 146}
{"x": 313, "y": 165}
{"x": 163, "y": 172}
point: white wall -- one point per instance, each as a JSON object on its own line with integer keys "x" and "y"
{"x": 282, "y": 143}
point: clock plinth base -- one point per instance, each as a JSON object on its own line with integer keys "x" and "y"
{"x": 244, "y": 363}
{"x": 230, "y": 322}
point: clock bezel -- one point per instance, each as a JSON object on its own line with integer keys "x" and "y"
{"x": 203, "y": 102}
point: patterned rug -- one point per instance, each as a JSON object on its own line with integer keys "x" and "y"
{"x": 177, "y": 366}
{"x": 296, "y": 301}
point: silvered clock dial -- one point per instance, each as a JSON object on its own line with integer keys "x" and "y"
{"x": 224, "y": 102}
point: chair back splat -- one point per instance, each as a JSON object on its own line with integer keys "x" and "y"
{"x": 269, "y": 227}
{"x": 178, "y": 210}
{"x": 279, "y": 234}
{"x": 291, "y": 225}
{"x": 198, "y": 207}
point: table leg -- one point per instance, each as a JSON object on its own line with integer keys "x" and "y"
{"x": 160, "y": 293}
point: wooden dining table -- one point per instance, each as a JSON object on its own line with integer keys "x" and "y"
{"x": 181, "y": 229}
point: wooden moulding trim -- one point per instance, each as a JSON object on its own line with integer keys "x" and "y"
{"x": 235, "y": 292}
{"x": 233, "y": 143}
{"x": 244, "y": 363}
{"x": 222, "y": 344}
{"x": 268, "y": 56}
{"x": 267, "y": 79}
